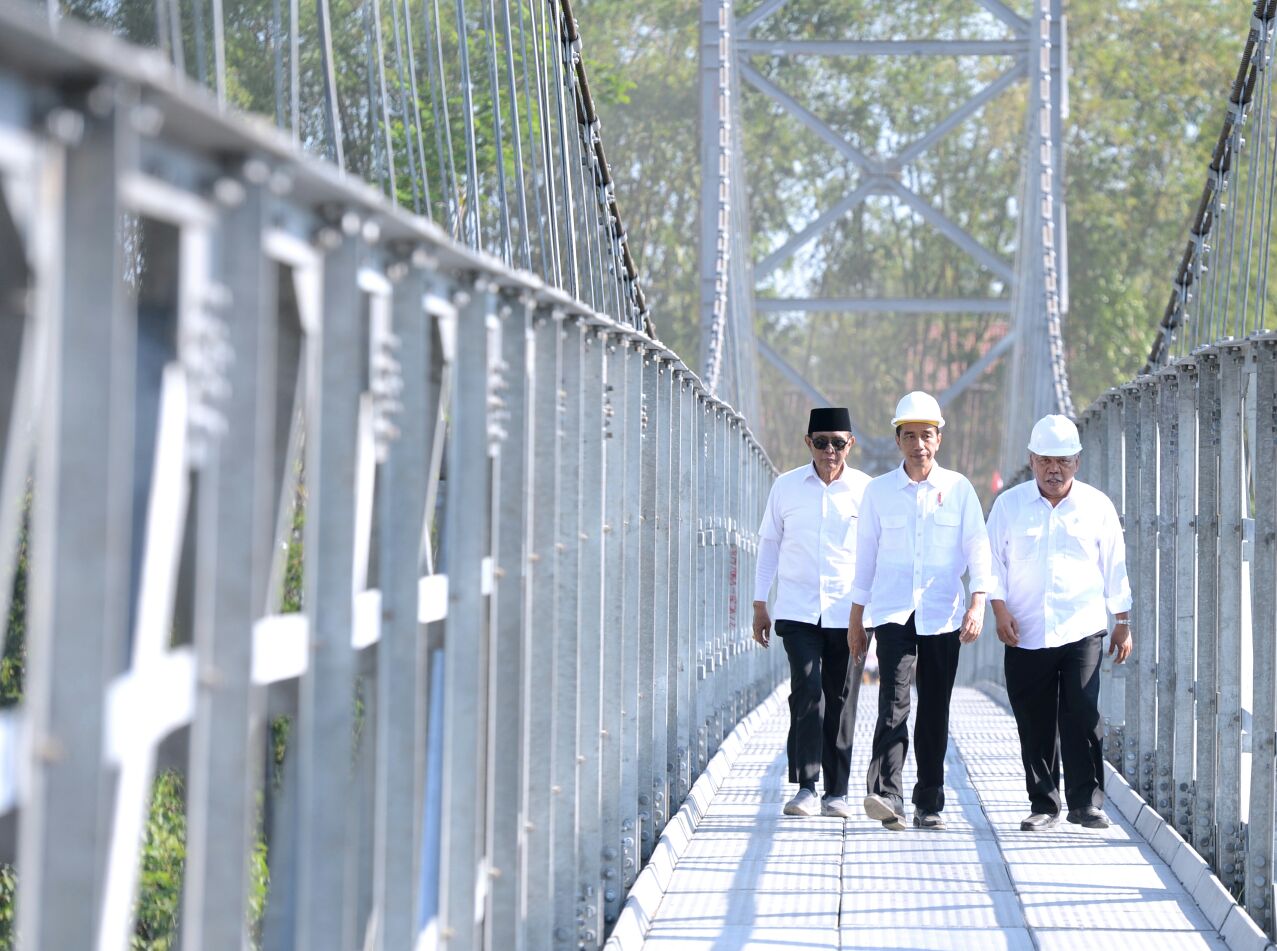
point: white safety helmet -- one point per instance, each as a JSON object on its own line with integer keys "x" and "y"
{"x": 918, "y": 407}
{"x": 1055, "y": 436}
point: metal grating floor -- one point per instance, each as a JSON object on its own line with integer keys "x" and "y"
{"x": 753, "y": 879}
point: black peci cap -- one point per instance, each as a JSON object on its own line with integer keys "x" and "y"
{"x": 829, "y": 419}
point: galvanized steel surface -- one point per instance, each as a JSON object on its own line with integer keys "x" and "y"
{"x": 312, "y": 479}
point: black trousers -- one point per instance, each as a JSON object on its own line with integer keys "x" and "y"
{"x": 823, "y": 689}
{"x": 903, "y": 658}
{"x": 1055, "y": 696}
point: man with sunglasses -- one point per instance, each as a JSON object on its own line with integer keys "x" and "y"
{"x": 808, "y": 541}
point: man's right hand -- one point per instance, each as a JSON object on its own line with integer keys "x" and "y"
{"x": 1008, "y": 629}
{"x": 857, "y": 641}
{"x": 762, "y": 623}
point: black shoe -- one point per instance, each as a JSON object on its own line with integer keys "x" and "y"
{"x": 885, "y": 811}
{"x": 928, "y": 820}
{"x": 1089, "y": 817}
{"x": 1040, "y": 821}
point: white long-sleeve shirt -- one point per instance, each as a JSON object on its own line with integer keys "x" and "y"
{"x": 808, "y": 538}
{"x": 1059, "y": 569}
{"x": 915, "y": 540}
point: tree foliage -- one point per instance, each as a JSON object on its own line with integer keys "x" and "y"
{"x": 1147, "y": 90}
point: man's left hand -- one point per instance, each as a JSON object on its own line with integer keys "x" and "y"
{"x": 972, "y": 624}
{"x": 1120, "y": 643}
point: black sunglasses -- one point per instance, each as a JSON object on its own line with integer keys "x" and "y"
{"x": 824, "y": 442}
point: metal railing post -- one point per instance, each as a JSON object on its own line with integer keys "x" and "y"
{"x": 325, "y": 913}
{"x": 1145, "y": 593}
{"x": 567, "y": 641}
{"x": 536, "y": 863}
{"x": 635, "y": 486}
{"x": 1167, "y": 664}
{"x": 1228, "y": 804}
{"x": 649, "y": 468}
{"x": 1205, "y": 831}
{"x": 80, "y": 541}
{"x": 239, "y": 501}
{"x": 507, "y": 703}
{"x": 595, "y": 486}
{"x": 467, "y": 535}
{"x": 1263, "y": 797}
{"x": 612, "y": 671}
{"x": 1181, "y": 813}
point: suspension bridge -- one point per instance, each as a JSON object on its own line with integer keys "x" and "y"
{"x": 375, "y": 573}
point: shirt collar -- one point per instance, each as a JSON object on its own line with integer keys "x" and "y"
{"x": 811, "y": 473}
{"x": 1066, "y": 501}
{"x": 937, "y": 478}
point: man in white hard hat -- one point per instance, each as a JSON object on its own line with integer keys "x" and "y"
{"x": 1059, "y": 565}
{"x": 921, "y": 527}
{"x": 808, "y": 537}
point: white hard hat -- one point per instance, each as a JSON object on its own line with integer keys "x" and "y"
{"x": 918, "y": 407}
{"x": 1055, "y": 436}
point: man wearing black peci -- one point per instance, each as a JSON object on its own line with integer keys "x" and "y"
{"x": 808, "y": 540}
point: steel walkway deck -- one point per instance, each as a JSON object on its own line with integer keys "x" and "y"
{"x": 749, "y": 877}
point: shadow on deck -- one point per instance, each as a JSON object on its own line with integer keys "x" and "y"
{"x": 733, "y": 873}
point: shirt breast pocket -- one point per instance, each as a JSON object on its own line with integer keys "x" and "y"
{"x": 946, "y": 531}
{"x": 849, "y": 536}
{"x": 1081, "y": 535}
{"x": 1025, "y": 545}
{"x": 893, "y": 533}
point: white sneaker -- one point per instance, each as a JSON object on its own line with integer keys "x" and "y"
{"x": 804, "y": 804}
{"x": 885, "y": 811}
{"x": 836, "y": 806}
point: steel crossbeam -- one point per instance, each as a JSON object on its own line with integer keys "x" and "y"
{"x": 722, "y": 31}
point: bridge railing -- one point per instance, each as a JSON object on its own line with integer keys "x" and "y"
{"x": 428, "y": 580}
{"x": 1188, "y": 452}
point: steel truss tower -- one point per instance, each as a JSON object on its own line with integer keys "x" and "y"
{"x": 1036, "y": 280}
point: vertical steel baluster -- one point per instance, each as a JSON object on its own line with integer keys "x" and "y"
{"x": 1205, "y": 833}
{"x": 613, "y": 672}
{"x": 1228, "y": 801}
{"x": 636, "y": 486}
{"x": 507, "y": 752}
{"x": 649, "y": 467}
{"x": 466, "y": 546}
{"x": 1185, "y": 597}
{"x": 673, "y": 775}
{"x": 659, "y": 427}
{"x": 1167, "y": 394}
{"x": 596, "y": 478}
{"x": 567, "y": 635}
{"x": 238, "y": 499}
{"x": 536, "y": 864}
{"x": 325, "y": 913}
{"x": 80, "y": 541}
{"x": 1259, "y": 881}
{"x": 1145, "y": 594}
{"x": 1133, "y": 523}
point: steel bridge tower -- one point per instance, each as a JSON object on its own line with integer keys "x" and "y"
{"x": 1032, "y": 288}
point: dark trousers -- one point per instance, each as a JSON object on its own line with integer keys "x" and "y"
{"x": 1055, "y": 696}
{"x": 823, "y": 688}
{"x": 903, "y": 658}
